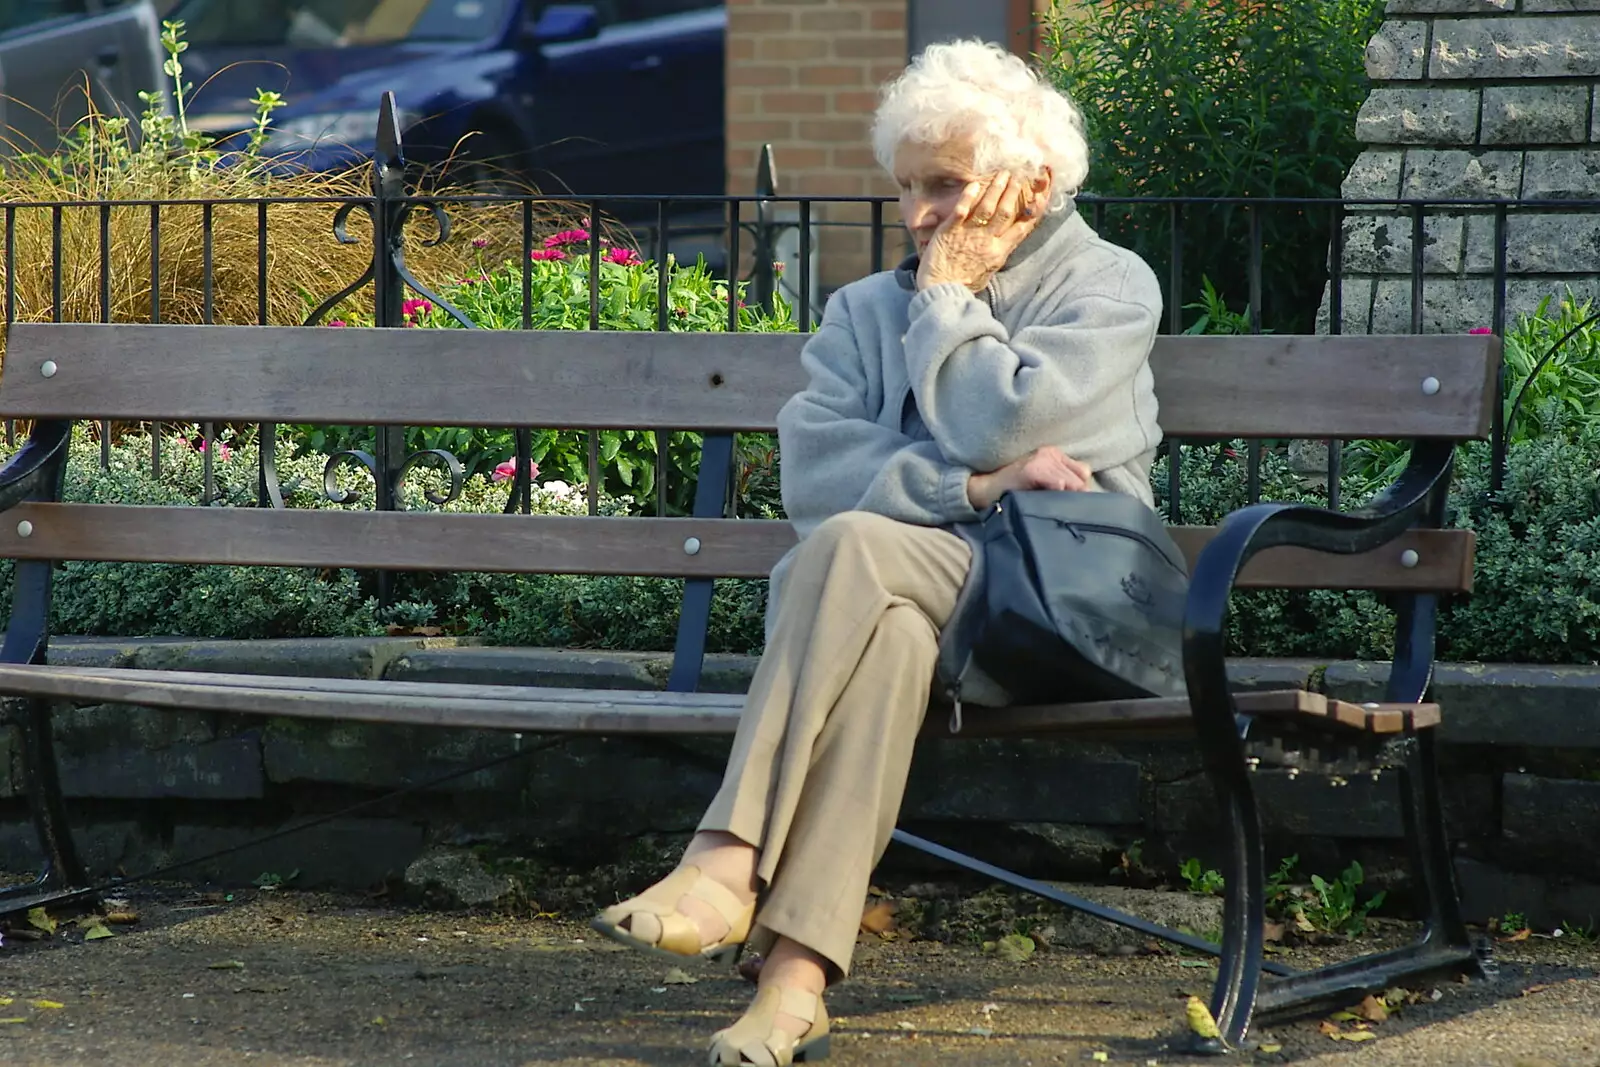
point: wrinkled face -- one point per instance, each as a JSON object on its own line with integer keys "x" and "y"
{"x": 931, "y": 180}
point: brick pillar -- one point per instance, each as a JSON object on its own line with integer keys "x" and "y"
{"x": 803, "y": 75}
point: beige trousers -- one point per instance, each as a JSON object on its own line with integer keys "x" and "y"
{"x": 821, "y": 756}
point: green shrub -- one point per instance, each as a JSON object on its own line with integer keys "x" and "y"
{"x": 1220, "y": 99}
{"x": 1567, "y": 386}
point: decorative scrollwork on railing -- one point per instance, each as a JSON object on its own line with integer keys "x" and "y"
{"x": 330, "y": 474}
{"x": 390, "y": 210}
{"x": 453, "y": 468}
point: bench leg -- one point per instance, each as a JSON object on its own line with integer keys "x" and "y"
{"x": 1431, "y": 865}
{"x": 1244, "y": 898}
{"x": 27, "y": 633}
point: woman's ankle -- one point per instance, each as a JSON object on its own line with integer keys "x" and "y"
{"x": 791, "y": 965}
{"x": 725, "y": 859}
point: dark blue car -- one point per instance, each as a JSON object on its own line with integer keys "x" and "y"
{"x": 620, "y": 96}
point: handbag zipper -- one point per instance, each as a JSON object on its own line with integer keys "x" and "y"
{"x": 1076, "y": 528}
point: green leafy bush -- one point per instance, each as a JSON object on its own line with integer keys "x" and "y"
{"x": 1566, "y": 386}
{"x": 1220, "y": 98}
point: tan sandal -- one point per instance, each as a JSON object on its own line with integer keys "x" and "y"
{"x": 756, "y": 1041}
{"x": 655, "y": 924}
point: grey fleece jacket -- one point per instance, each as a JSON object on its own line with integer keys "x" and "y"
{"x": 911, "y": 393}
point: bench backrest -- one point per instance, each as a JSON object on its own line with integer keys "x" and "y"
{"x": 1209, "y": 387}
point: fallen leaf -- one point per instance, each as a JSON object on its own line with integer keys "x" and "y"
{"x": 1014, "y": 948}
{"x": 226, "y": 965}
{"x": 12, "y": 1022}
{"x": 98, "y": 932}
{"x": 1535, "y": 989}
{"x": 5, "y": 1002}
{"x": 47, "y": 1005}
{"x": 981, "y": 1031}
{"x": 1344, "y": 1016}
{"x": 1099, "y": 1057}
{"x": 1397, "y": 996}
{"x": 378, "y": 1020}
{"x": 1269, "y": 1048}
{"x": 989, "y": 1009}
{"x": 1272, "y": 932}
{"x": 1200, "y": 1019}
{"x": 1331, "y": 1029}
{"x": 678, "y": 976}
{"x": 40, "y": 919}
{"x": 879, "y": 918}
{"x": 1521, "y": 935}
{"x": 1303, "y": 924}
{"x": 1373, "y": 1010}
{"x": 902, "y": 1024}
{"x": 1358, "y": 1035}
{"x": 122, "y": 918}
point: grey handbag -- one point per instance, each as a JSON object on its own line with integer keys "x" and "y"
{"x": 1072, "y": 597}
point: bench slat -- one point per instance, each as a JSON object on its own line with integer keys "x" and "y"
{"x": 540, "y": 710}
{"x": 729, "y": 548}
{"x": 1210, "y": 387}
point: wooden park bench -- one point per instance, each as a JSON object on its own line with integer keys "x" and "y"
{"x": 1436, "y": 391}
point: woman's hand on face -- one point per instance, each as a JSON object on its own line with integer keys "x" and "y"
{"x": 989, "y": 221}
{"x": 1047, "y": 468}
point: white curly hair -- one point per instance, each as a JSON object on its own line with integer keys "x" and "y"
{"x": 972, "y": 88}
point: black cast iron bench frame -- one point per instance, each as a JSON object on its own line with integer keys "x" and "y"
{"x": 1436, "y": 391}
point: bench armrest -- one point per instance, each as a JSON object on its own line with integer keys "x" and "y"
{"x": 1415, "y": 499}
{"x": 31, "y": 473}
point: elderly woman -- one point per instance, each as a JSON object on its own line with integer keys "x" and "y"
{"x": 1010, "y": 353}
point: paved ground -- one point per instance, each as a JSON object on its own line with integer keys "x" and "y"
{"x": 304, "y": 979}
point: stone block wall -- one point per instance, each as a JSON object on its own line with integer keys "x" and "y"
{"x": 149, "y": 787}
{"x": 1475, "y": 99}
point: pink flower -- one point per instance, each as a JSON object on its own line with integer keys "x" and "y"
{"x": 778, "y": 266}
{"x": 508, "y": 470}
{"x": 415, "y": 308}
{"x": 623, "y": 257}
{"x": 223, "y": 449}
{"x": 1480, "y": 329}
{"x": 480, "y": 242}
{"x": 338, "y": 322}
{"x": 547, "y": 254}
{"x": 567, "y": 237}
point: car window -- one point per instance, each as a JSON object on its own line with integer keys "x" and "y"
{"x": 19, "y": 14}
{"x": 338, "y": 23}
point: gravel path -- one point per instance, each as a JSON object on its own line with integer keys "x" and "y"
{"x": 305, "y": 979}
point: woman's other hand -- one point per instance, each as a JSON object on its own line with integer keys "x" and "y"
{"x": 1048, "y": 468}
{"x": 988, "y": 224}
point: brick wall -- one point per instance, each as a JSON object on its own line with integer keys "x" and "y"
{"x": 803, "y": 75}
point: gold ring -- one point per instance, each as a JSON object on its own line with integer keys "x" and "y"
{"x": 981, "y": 220}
